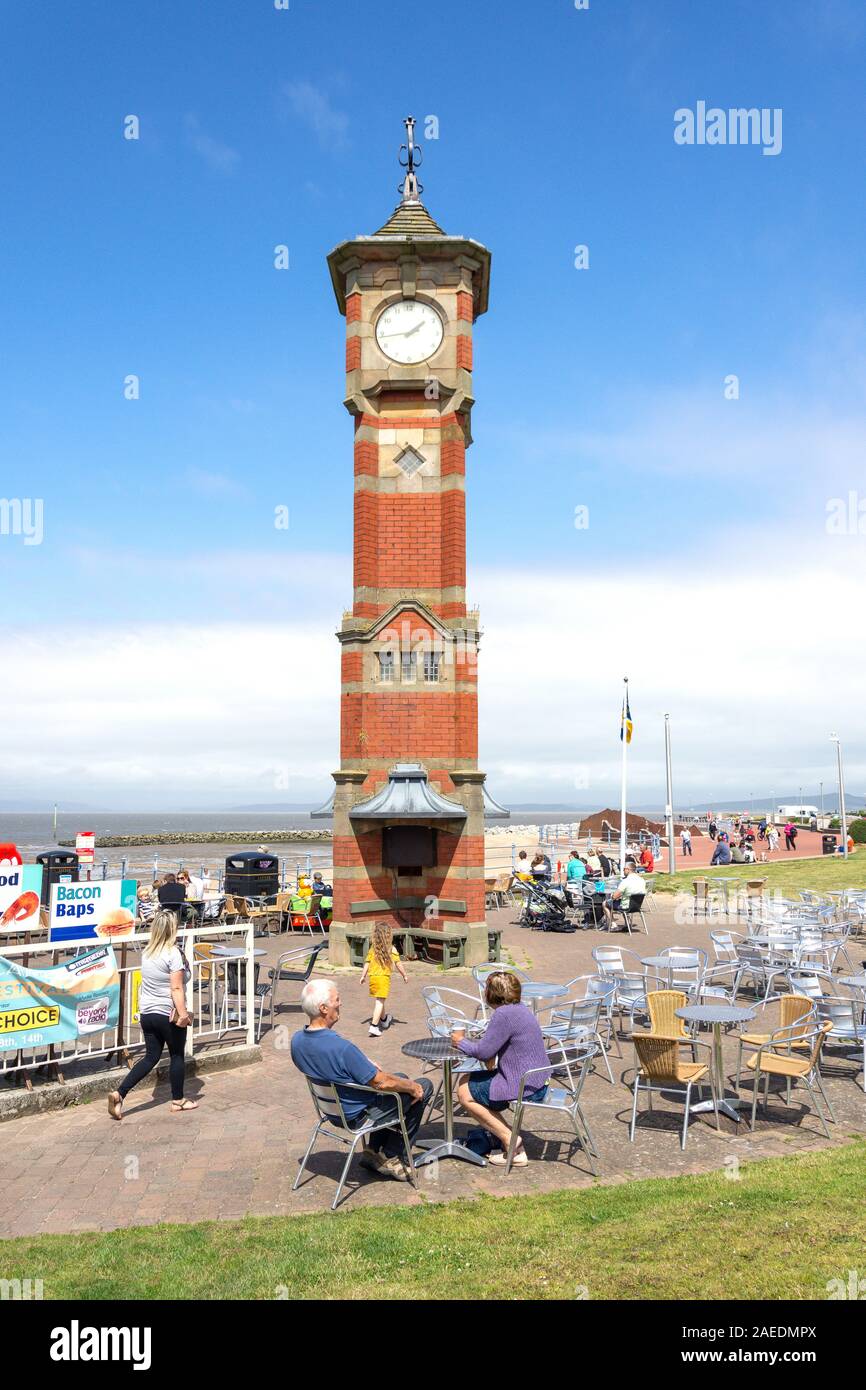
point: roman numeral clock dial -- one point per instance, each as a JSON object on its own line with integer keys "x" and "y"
{"x": 409, "y": 332}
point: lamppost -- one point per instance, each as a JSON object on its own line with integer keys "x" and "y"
{"x": 669, "y": 801}
{"x": 821, "y": 789}
{"x": 842, "y": 816}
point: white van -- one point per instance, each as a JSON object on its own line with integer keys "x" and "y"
{"x": 793, "y": 812}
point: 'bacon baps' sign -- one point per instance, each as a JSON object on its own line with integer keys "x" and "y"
{"x": 103, "y": 911}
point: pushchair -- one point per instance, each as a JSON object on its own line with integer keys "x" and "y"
{"x": 544, "y": 908}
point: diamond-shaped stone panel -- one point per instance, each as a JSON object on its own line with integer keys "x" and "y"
{"x": 410, "y": 461}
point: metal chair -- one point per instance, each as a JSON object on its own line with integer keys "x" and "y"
{"x": 631, "y": 994}
{"x": 775, "y": 1058}
{"x": 659, "y": 1068}
{"x": 843, "y": 1018}
{"x": 288, "y": 967}
{"x": 575, "y": 1021}
{"x": 687, "y": 965}
{"x": 572, "y": 1064}
{"x": 332, "y": 1122}
{"x": 611, "y": 961}
{"x": 758, "y": 967}
{"x": 725, "y": 944}
{"x": 626, "y": 911}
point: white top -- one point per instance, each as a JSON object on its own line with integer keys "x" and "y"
{"x": 155, "y": 994}
{"x": 632, "y": 886}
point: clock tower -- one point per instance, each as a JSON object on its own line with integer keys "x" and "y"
{"x": 409, "y": 802}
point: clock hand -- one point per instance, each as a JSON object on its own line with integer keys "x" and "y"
{"x": 401, "y": 332}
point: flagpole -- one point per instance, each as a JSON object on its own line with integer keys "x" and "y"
{"x": 623, "y": 839}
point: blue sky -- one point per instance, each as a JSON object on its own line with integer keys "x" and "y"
{"x": 601, "y": 388}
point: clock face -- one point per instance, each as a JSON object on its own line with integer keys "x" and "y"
{"x": 409, "y": 332}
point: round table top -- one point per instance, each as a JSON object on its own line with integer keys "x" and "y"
{"x": 233, "y": 952}
{"x": 855, "y": 981}
{"x": 541, "y": 989}
{"x": 715, "y": 1013}
{"x": 433, "y": 1050}
{"x": 665, "y": 962}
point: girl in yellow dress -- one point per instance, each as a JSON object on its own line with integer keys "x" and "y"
{"x": 382, "y": 959}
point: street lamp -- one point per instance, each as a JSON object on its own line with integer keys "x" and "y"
{"x": 842, "y": 816}
{"x": 821, "y": 788}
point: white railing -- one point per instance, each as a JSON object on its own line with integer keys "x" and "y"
{"x": 219, "y": 990}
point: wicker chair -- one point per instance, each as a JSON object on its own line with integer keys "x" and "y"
{"x": 660, "y": 1068}
{"x": 796, "y": 1019}
{"x": 662, "y": 1005}
{"x": 774, "y": 1058}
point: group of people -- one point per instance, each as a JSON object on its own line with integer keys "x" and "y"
{"x": 170, "y": 892}
{"x": 511, "y": 1045}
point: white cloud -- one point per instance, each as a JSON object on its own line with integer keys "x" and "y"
{"x": 312, "y": 106}
{"x": 218, "y": 156}
{"x": 756, "y": 661}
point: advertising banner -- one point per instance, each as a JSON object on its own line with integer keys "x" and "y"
{"x": 20, "y": 892}
{"x": 101, "y": 911}
{"x": 60, "y": 1003}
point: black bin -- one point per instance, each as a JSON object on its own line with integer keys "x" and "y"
{"x": 56, "y": 864}
{"x": 828, "y": 844}
{"x": 251, "y": 874}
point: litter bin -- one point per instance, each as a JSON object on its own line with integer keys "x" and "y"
{"x": 252, "y": 874}
{"x": 56, "y": 864}
{"x": 828, "y": 844}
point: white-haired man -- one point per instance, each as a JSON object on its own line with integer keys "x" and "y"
{"x": 323, "y": 1055}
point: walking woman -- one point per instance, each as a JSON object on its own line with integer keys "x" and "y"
{"x": 163, "y": 1014}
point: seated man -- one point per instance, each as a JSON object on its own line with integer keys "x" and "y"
{"x": 320, "y": 1053}
{"x": 647, "y": 861}
{"x": 738, "y": 855}
{"x": 606, "y": 866}
{"x": 721, "y": 853}
{"x": 632, "y": 886}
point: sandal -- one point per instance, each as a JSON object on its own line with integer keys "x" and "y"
{"x": 178, "y": 1105}
{"x": 115, "y": 1105}
{"x": 500, "y": 1157}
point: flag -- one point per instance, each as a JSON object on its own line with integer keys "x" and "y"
{"x": 626, "y": 725}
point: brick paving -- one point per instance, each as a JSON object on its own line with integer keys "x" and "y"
{"x": 238, "y": 1154}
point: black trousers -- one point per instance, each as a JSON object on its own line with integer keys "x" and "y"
{"x": 157, "y": 1032}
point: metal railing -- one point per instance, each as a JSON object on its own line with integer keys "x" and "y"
{"x": 207, "y": 988}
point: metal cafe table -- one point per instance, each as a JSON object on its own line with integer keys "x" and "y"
{"x": 717, "y": 1015}
{"x": 442, "y": 1050}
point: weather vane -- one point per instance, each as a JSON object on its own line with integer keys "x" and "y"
{"x": 410, "y": 187}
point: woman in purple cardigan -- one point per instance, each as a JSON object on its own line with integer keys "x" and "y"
{"x": 511, "y": 1045}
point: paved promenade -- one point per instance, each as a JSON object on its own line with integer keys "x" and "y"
{"x": 238, "y": 1153}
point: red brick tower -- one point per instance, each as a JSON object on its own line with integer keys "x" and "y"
{"x": 409, "y": 800}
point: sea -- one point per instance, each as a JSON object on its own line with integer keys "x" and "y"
{"x": 33, "y": 832}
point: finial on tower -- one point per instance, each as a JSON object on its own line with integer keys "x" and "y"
{"x": 410, "y": 187}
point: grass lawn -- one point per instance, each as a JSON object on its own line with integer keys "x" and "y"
{"x": 829, "y": 872}
{"x": 782, "y": 1230}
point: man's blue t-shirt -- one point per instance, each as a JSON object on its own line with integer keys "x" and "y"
{"x": 323, "y": 1055}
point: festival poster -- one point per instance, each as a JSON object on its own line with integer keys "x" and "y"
{"x": 60, "y": 1003}
{"x": 20, "y": 894}
{"x": 101, "y": 911}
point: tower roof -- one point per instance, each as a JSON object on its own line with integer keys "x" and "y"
{"x": 410, "y": 218}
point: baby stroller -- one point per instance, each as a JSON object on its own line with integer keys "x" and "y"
{"x": 545, "y": 909}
